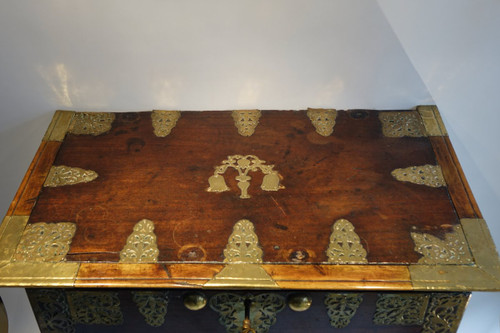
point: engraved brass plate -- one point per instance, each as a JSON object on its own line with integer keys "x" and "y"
{"x": 52, "y": 310}
{"x": 263, "y": 311}
{"x": 445, "y": 312}
{"x": 323, "y": 120}
{"x": 429, "y": 175}
{"x": 246, "y": 121}
{"x": 243, "y": 165}
{"x": 91, "y": 123}
{"x": 95, "y": 307}
{"x": 345, "y": 246}
{"x": 46, "y": 242}
{"x": 342, "y": 307}
{"x": 434, "y": 125}
{"x": 164, "y": 121}
{"x": 400, "y": 309}
{"x": 452, "y": 249}
{"x": 141, "y": 244}
{"x": 152, "y": 305}
{"x": 400, "y": 124}
{"x": 62, "y": 175}
{"x": 243, "y": 256}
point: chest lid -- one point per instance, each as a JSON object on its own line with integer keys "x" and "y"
{"x": 312, "y": 199}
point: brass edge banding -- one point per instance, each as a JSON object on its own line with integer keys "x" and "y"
{"x": 58, "y": 126}
{"x": 11, "y": 231}
{"x": 34, "y": 274}
{"x": 433, "y": 123}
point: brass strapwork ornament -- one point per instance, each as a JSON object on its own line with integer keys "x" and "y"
{"x": 62, "y": 175}
{"x": 45, "y": 242}
{"x": 164, "y": 121}
{"x": 345, "y": 245}
{"x": 141, "y": 244}
{"x": 428, "y": 175}
{"x": 246, "y": 121}
{"x": 91, "y": 123}
{"x": 342, "y": 307}
{"x": 244, "y": 164}
{"x": 323, "y": 120}
{"x": 453, "y": 249}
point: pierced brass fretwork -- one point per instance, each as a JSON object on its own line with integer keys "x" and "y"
{"x": 323, "y": 120}
{"x": 164, "y": 121}
{"x": 429, "y": 175}
{"x": 400, "y": 124}
{"x": 445, "y": 312}
{"x": 141, "y": 244}
{"x": 52, "y": 310}
{"x": 93, "y": 123}
{"x": 246, "y": 121}
{"x": 400, "y": 309}
{"x": 345, "y": 245}
{"x": 342, "y": 307}
{"x": 453, "y": 249}
{"x": 244, "y": 164}
{"x": 152, "y": 305}
{"x": 47, "y": 242}
{"x": 62, "y": 175}
{"x": 95, "y": 307}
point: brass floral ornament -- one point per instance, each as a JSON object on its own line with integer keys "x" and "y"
{"x": 231, "y": 310}
{"x": 453, "y": 249}
{"x": 62, "y": 175}
{"x": 428, "y": 175}
{"x": 342, "y": 307}
{"x": 345, "y": 245}
{"x": 400, "y": 124}
{"x": 164, "y": 121}
{"x": 323, "y": 120}
{"x": 244, "y": 164}
{"x": 403, "y": 309}
{"x": 51, "y": 307}
{"x": 152, "y": 305}
{"x": 95, "y": 307}
{"x": 45, "y": 242}
{"x": 91, "y": 123}
{"x": 246, "y": 121}
{"x": 444, "y": 312}
{"x": 141, "y": 244}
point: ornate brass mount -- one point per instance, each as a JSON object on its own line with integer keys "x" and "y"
{"x": 246, "y": 121}
{"x": 244, "y": 164}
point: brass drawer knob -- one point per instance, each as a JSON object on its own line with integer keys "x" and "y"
{"x": 195, "y": 301}
{"x": 299, "y": 302}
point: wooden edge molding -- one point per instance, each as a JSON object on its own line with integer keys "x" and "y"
{"x": 58, "y": 126}
{"x": 433, "y": 123}
{"x": 484, "y": 275}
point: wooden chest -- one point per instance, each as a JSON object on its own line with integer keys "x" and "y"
{"x": 247, "y": 221}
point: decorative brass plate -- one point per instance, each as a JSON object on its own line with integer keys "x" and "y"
{"x": 342, "y": 307}
{"x": 52, "y": 309}
{"x": 400, "y": 309}
{"x": 345, "y": 246}
{"x": 246, "y": 121}
{"x": 91, "y": 123}
{"x": 445, "y": 312}
{"x": 152, "y": 305}
{"x": 429, "y": 175}
{"x": 244, "y": 164}
{"x": 164, "y": 121}
{"x": 434, "y": 125}
{"x": 62, "y": 175}
{"x": 400, "y": 124}
{"x": 323, "y": 120}
{"x": 95, "y": 307}
{"x": 141, "y": 244}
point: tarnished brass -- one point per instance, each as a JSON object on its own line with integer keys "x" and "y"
{"x": 244, "y": 164}
{"x": 38, "y": 274}
{"x": 246, "y": 121}
{"x": 263, "y": 310}
{"x": 342, "y": 307}
{"x": 62, "y": 175}
{"x": 323, "y": 120}
{"x": 141, "y": 244}
{"x": 400, "y": 309}
{"x": 452, "y": 249}
{"x": 52, "y": 310}
{"x": 152, "y": 305}
{"x": 445, "y": 312}
{"x": 299, "y": 302}
{"x": 243, "y": 256}
{"x": 194, "y": 301}
{"x": 482, "y": 246}
{"x": 46, "y": 242}
{"x": 59, "y": 126}
{"x": 11, "y": 231}
{"x": 164, "y": 121}
{"x": 434, "y": 125}
{"x": 91, "y": 123}
{"x": 4, "y": 321}
{"x": 345, "y": 246}
{"x": 95, "y": 307}
{"x": 400, "y": 124}
{"x": 429, "y": 175}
